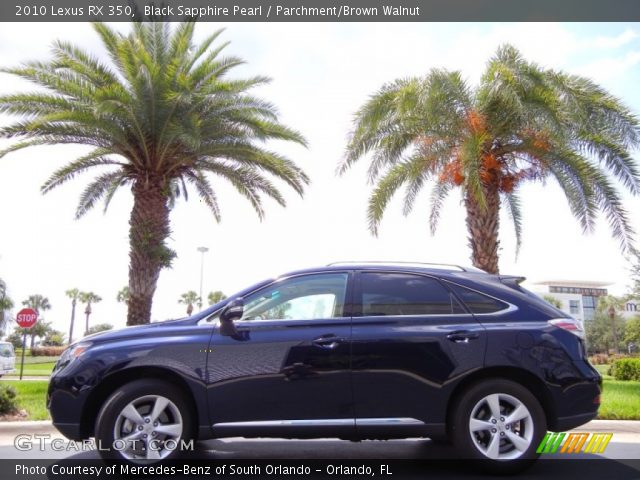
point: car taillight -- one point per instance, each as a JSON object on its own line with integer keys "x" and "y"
{"x": 568, "y": 324}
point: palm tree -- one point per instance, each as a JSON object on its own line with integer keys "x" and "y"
{"x": 215, "y": 297}
{"x": 123, "y": 295}
{"x": 162, "y": 114}
{"x": 189, "y": 298}
{"x": 522, "y": 123}
{"x": 74, "y": 295}
{"x": 40, "y": 304}
{"x": 88, "y": 298}
{"x": 610, "y": 305}
{"x": 5, "y": 304}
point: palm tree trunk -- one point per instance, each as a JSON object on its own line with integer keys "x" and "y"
{"x": 148, "y": 230}
{"x": 483, "y": 225}
{"x": 73, "y": 319}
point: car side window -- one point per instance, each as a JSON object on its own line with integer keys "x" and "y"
{"x": 299, "y": 298}
{"x": 385, "y": 294}
{"x": 477, "y": 302}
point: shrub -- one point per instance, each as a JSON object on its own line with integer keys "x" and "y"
{"x": 47, "y": 351}
{"x": 626, "y": 369}
{"x": 8, "y": 403}
{"x": 599, "y": 359}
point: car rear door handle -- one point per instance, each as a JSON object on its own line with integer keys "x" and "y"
{"x": 327, "y": 341}
{"x": 463, "y": 336}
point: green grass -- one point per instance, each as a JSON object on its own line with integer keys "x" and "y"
{"x": 34, "y": 369}
{"x": 30, "y": 360}
{"x": 603, "y": 370}
{"x": 32, "y": 396}
{"x": 620, "y": 400}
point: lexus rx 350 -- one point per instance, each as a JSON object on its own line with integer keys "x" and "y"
{"x": 354, "y": 351}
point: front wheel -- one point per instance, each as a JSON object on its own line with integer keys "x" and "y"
{"x": 144, "y": 421}
{"x": 500, "y": 422}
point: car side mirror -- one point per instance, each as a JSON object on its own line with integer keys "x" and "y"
{"x": 231, "y": 312}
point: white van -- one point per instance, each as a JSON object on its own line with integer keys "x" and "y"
{"x": 7, "y": 358}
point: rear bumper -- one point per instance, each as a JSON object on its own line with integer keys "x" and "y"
{"x": 567, "y": 423}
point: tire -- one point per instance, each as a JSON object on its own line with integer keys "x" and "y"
{"x": 480, "y": 428}
{"x": 139, "y": 421}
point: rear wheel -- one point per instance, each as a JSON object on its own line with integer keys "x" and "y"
{"x": 500, "y": 422}
{"x": 144, "y": 421}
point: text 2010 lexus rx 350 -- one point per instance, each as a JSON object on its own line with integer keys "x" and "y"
{"x": 355, "y": 351}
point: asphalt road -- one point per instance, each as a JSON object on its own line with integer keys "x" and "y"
{"x": 613, "y": 463}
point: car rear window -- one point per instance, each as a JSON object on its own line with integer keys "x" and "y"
{"x": 398, "y": 294}
{"x": 477, "y": 302}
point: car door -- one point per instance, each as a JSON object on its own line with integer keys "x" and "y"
{"x": 411, "y": 341}
{"x": 288, "y": 367}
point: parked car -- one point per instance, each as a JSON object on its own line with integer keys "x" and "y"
{"x": 7, "y": 358}
{"x": 355, "y": 351}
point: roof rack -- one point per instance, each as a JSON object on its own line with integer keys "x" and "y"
{"x": 422, "y": 264}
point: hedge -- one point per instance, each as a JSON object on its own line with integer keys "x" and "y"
{"x": 8, "y": 402}
{"x": 47, "y": 351}
{"x": 626, "y": 369}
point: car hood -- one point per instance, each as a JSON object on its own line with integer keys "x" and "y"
{"x": 138, "y": 330}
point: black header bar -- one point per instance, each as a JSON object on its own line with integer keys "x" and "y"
{"x": 320, "y": 10}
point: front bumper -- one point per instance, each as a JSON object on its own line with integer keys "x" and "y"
{"x": 67, "y": 398}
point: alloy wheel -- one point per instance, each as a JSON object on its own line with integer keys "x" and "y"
{"x": 148, "y": 428}
{"x": 501, "y": 427}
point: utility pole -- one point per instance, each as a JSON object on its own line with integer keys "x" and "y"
{"x": 202, "y": 250}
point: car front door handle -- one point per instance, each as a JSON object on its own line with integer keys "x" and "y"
{"x": 463, "y": 336}
{"x": 327, "y": 341}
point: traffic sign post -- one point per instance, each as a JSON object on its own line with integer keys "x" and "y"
{"x": 26, "y": 318}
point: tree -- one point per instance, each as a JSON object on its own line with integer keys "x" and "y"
{"x": 74, "y": 295}
{"x": 610, "y": 305}
{"x": 53, "y": 338}
{"x": 632, "y": 331}
{"x": 100, "y": 327}
{"x": 215, "y": 297}
{"x": 189, "y": 298}
{"x": 5, "y": 304}
{"x": 16, "y": 337}
{"x": 88, "y": 298}
{"x": 123, "y": 295}
{"x": 522, "y": 123}
{"x": 634, "y": 290}
{"x": 553, "y": 301}
{"x": 40, "y": 330}
{"x": 40, "y": 304}
{"x": 162, "y": 114}
{"x": 599, "y": 332}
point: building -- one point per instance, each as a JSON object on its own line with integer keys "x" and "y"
{"x": 578, "y": 298}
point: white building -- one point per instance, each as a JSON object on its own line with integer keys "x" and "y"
{"x": 578, "y": 298}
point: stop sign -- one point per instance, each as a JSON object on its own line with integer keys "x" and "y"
{"x": 27, "y": 317}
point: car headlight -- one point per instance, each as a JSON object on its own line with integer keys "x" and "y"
{"x": 71, "y": 354}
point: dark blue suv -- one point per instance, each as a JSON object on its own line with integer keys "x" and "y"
{"x": 354, "y": 351}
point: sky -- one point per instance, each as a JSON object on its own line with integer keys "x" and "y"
{"x": 321, "y": 73}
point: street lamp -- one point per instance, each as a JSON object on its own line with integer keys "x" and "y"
{"x": 202, "y": 250}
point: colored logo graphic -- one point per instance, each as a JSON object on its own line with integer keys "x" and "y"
{"x": 574, "y": 442}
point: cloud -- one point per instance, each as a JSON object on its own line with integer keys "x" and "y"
{"x": 602, "y": 41}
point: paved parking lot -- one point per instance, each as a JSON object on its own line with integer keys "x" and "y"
{"x": 624, "y": 445}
